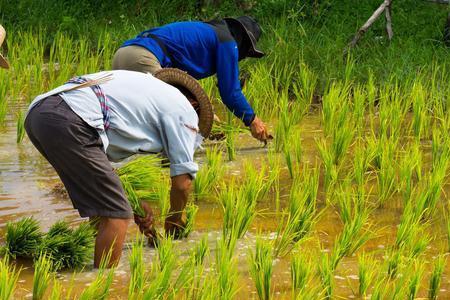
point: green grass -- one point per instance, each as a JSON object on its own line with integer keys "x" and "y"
{"x": 366, "y": 273}
{"x": 209, "y": 174}
{"x": 137, "y": 268}
{"x": 436, "y": 277}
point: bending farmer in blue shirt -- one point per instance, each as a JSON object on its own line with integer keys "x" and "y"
{"x": 201, "y": 49}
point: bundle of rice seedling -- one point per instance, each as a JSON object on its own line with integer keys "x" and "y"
{"x": 69, "y": 248}
{"x": 139, "y": 178}
{"x": 23, "y": 238}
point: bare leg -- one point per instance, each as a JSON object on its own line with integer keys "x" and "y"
{"x": 111, "y": 234}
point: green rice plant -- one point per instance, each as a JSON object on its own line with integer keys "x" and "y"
{"x": 363, "y": 156}
{"x": 257, "y": 183}
{"x": 69, "y": 248}
{"x": 305, "y": 89}
{"x": 414, "y": 280}
{"x": 284, "y": 124}
{"x": 209, "y": 174}
{"x": 410, "y": 168}
{"x": 301, "y": 273}
{"x": 140, "y": 179}
{"x": 191, "y": 212}
{"x": 330, "y": 169}
{"x": 326, "y": 271}
{"x": 226, "y": 281}
{"x": 20, "y": 127}
{"x": 23, "y": 238}
{"x": 394, "y": 261}
{"x": 274, "y": 176}
{"x": 238, "y": 211}
{"x": 43, "y": 273}
{"x": 436, "y": 277}
{"x": 366, "y": 273}
{"x": 439, "y": 147}
{"x": 421, "y": 120}
{"x": 301, "y": 214}
{"x": 57, "y": 291}
{"x": 380, "y": 290}
{"x": 162, "y": 271}
{"x": 391, "y": 112}
{"x": 386, "y": 176}
{"x": 137, "y": 268}
{"x": 359, "y": 108}
{"x": 8, "y": 278}
{"x": 334, "y": 107}
{"x": 342, "y": 135}
{"x": 354, "y": 234}
{"x": 200, "y": 251}
{"x": 261, "y": 268}
{"x": 100, "y": 287}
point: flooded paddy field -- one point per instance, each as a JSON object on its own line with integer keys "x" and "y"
{"x": 30, "y": 187}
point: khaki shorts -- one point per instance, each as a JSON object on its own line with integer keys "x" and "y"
{"x": 135, "y": 58}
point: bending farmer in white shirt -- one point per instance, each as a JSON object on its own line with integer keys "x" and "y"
{"x": 80, "y": 130}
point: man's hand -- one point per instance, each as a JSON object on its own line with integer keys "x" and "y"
{"x": 259, "y": 130}
{"x": 179, "y": 193}
{"x": 146, "y": 223}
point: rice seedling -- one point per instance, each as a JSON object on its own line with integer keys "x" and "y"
{"x": 8, "y": 278}
{"x": 305, "y": 89}
{"x": 334, "y": 106}
{"x": 410, "y": 168}
{"x": 326, "y": 274}
{"x": 200, "y": 251}
{"x": 20, "y": 127}
{"x": 342, "y": 135}
{"x": 394, "y": 261}
{"x": 414, "y": 280}
{"x": 238, "y": 212}
{"x": 261, "y": 268}
{"x": 274, "y": 176}
{"x": 257, "y": 183}
{"x": 386, "y": 176}
{"x": 23, "y": 238}
{"x": 436, "y": 277}
{"x": 421, "y": 119}
{"x": 359, "y": 108}
{"x": 137, "y": 268}
{"x": 301, "y": 273}
{"x": 43, "y": 273}
{"x": 140, "y": 179}
{"x": 100, "y": 287}
{"x": 162, "y": 271}
{"x": 209, "y": 174}
{"x": 57, "y": 291}
{"x": 69, "y": 248}
{"x": 284, "y": 124}
{"x": 226, "y": 274}
{"x": 366, "y": 273}
{"x": 301, "y": 214}
{"x": 191, "y": 212}
{"x": 380, "y": 290}
{"x": 330, "y": 169}
{"x": 354, "y": 234}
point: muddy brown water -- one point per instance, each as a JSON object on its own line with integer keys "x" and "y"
{"x": 27, "y": 187}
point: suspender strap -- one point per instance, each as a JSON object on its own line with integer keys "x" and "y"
{"x": 160, "y": 44}
{"x": 102, "y": 98}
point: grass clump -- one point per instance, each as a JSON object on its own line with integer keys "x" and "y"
{"x": 100, "y": 287}
{"x": 23, "y": 238}
{"x": 8, "y": 279}
{"x": 366, "y": 273}
{"x": 301, "y": 272}
{"x": 137, "y": 268}
{"x": 43, "y": 273}
{"x": 261, "y": 268}
{"x": 69, "y": 248}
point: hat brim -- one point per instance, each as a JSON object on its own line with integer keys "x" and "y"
{"x": 253, "y": 51}
{"x": 3, "y": 62}
{"x": 195, "y": 94}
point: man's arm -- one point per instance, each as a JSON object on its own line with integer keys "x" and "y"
{"x": 231, "y": 92}
{"x": 179, "y": 194}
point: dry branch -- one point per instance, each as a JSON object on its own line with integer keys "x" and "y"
{"x": 385, "y": 6}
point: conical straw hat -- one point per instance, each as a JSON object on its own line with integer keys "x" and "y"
{"x": 3, "y": 62}
{"x": 195, "y": 94}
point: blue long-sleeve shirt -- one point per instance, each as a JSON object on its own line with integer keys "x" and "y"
{"x": 201, "y": 49}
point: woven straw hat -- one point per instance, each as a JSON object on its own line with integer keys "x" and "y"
{"x": 3, "y": 62}
{"x": 195, "y": 94}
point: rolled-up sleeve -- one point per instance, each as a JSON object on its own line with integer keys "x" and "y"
{"x": 178, "y": 136}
